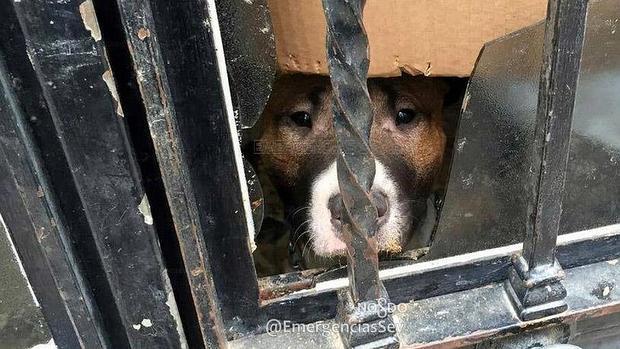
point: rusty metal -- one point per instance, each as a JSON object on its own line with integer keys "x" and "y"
{"x": 347, "y": 53}
{"x": 535, "y": 281}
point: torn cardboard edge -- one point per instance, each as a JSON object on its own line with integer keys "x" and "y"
{"x": 421, "y": 37}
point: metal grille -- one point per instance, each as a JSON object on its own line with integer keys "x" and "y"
{"x": 183, "y": 94}
{"x": 534, "y": 283}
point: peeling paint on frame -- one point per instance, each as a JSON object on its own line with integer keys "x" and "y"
{"x": 48, "y": 345}
{"x": 145, "y": 209}
{"x": 109, "y": 81}
{"x": 174, "y": 310}
{"x": 89, "y": 18}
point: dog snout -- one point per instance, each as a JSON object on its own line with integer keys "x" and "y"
{"x": 378, "y": 198}
{"x": 381, "y": 203}
{"x": 335, "y": 206}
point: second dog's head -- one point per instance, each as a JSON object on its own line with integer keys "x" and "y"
{"x": 298, "y": 150}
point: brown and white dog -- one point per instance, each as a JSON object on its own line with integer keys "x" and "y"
{"x": 298, "y": 152}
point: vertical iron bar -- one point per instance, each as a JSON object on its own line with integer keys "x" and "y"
{"x": 183, "y": 88}
{"x": 564, "y": 34}
{"x": 347, "y": 53}
{"x": 537, "y": 290}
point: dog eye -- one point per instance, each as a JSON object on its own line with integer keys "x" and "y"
{"x": 302, "y": 119}
{"x": 405, "y": 116}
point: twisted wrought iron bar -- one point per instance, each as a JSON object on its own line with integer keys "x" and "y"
{"x": 347, "y": 46}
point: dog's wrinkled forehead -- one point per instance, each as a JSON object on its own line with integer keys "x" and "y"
{"x": 313, "y": 93}
{"x": 291, "y": 92}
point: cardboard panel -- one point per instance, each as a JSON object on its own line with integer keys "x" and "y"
{"x": 431, "y": 37}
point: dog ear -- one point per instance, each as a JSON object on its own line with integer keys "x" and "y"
{"x": 443, "y": 88}
{"x": 453, "y": 89}
{"x": 250, "y": 137}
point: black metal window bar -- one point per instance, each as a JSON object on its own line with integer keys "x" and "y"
{"x": 176, "y": 52}
{"x": 535, "y": 281}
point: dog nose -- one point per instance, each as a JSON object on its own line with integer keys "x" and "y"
{"x": 335, "y": 206}
{"x": 380, "y": 201}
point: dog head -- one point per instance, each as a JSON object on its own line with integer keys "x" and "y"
{"x": 298, "y": 151}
